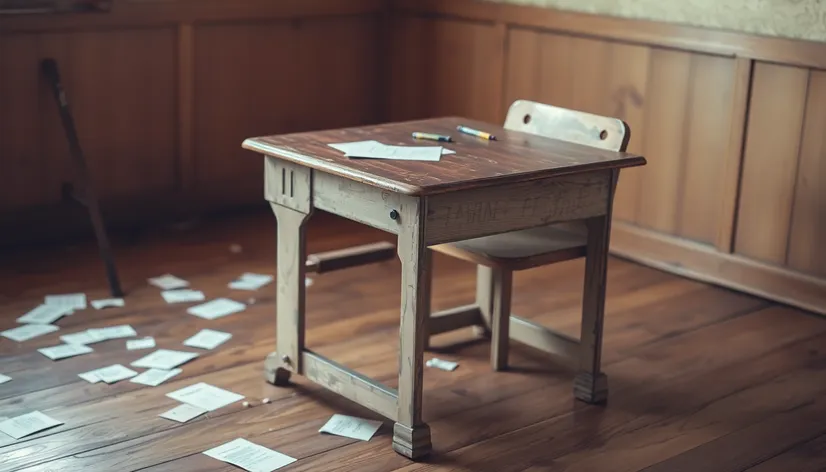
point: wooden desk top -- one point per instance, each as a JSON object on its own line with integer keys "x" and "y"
{"x": 513, "y": 157}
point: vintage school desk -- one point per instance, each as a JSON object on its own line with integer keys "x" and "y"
{"x": 488, "y": 187}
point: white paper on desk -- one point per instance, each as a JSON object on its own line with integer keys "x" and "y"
{"x": 30, "y": 423}
{"x": 182, "y": 296}
{"x": 45, "y": 314}
{"x": 250, "y": 456}
{"x": 168, "y": 282}
{"x": 82, "y": 337}
{"x": 62, "y": 351}
{"x": 249, "y": 281}
{"x": 164, "y": 359}
{"x": 141, "y": 343}
{"x": 217, "y": 308}
{"x": 377, "y": 150}
{"x": 72, "y": 301}
{"x": 114, "y": 332}
{"x": 351, "y": 427}
{"x": 449, "y": 366}
{"x": 208, "y": 339}
{"x": 205, "y": 396}
{"x": 155, "y": 377}
{"x": 113, "y": 373}
{"x": 183, "y": 413}
{"x": 4, "y": 379}
{"x": 24, "y": 333}
{"x": 107, "y": 303}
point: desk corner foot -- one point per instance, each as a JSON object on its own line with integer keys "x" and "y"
{"x": 274, "y": 373}
{"x": 412, "y": 442}
{"x": 591, "y": 388}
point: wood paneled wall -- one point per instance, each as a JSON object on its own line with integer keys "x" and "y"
{"x": 735, "y": 187}
{"x": 163, "y": 93}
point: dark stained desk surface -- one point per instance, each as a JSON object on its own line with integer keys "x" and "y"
{"x": 512, "y": 157}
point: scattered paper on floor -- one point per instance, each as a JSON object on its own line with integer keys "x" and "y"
{"x": 250, "y": 281}
{"x": 45, "y": 314}
{"x": 183, "y": 413}
{"x": 183, "y": 296}
{"x": 168, "y": 282}
{"x": 165, "y": 359}
{"x": 24, "y": 333}
{"x": 250, "y": 456}
{"x": 82, "y": 337}
{"x": 108, "y": 303}
{"x": 4, "y": 379}
{"x": 217, "y": 308}
{"x": 110, "y": 375}
{"x": 72, "y": 301}
{"x": 89, "y": 376}
{"x": 30, "y": 423}
{"x": 155, "y": 377}
{"x": 442, "y": 364}
{"x": 205, "y": 396}
{"x": 114, "y": 332}
{"x": 208, "y": 339}
{"x": 63, "y": 351}
{"x": 351, "y": 427}
{"x": 140, "y": 343}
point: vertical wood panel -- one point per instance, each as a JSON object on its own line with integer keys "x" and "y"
{"x": 522, "y": 77}
{"x": 665, "y": 132}
{"x": 186, "y": 105}
{"x": 770, "y": 161}
{"x": 708, "y": 118}
{"x": 807, "y": 240}
{"x": 275, "y": 77}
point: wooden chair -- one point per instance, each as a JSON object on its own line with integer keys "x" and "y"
{"x": 499, "y": 256}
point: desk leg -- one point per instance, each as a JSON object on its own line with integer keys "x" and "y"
{"x": 411, "y": 436}
{"x": 291, "y": 255}
{"x": 591, "y": 385}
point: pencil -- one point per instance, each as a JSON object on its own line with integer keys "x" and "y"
{"x": 431, "y": 136}
{"x": 474, "y": 132}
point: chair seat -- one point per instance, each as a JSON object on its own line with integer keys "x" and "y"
{"x": 524, "y": 249}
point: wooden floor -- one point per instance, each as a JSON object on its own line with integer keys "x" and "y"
{"x": 701, "y": 378}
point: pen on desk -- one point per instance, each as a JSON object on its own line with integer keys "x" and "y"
{"x": 431, "y": 136}
{"x": 474, "y": 132}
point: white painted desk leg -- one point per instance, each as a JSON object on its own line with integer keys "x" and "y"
{"x": 484, "y": 298}
{"x": 292, "y": 255}
{"x": 591, "y": 384}
{"x": 411, "y": 436}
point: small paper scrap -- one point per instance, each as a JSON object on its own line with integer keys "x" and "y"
{"x": 351, "y": 427}
{"x": 250, "y": 281}
{"x": 4, "y": 379}
{"x": 30, "y": 423}
{"x": 155, "y": 377}
{"x": 442, "y": 364}
{"x": 63, "y": 351}
{"x": 168, "y": 282}
{"x": 142, "y": 343}
{"x": 250, "y": 456}
{"x": 205, "y": 396}
{"x": 108, "y": 303}
{"x": 110, "y": 375}
{"x": 217, "y": 308}
{"x": 208, "y": 339}
{"x": 24, "y": 333}
{"x": 45, "y": 314}
{"x": 183, "y": 413}
{"x": 183, "y": 296}
{"x": 114, "y": 332}
{"x": 89, "y": 376}
{"x": 165, "y": 359}
{"x": 82, "y": 337}
{"x": 72, "y": 301}
{"x": 377, "y": 150}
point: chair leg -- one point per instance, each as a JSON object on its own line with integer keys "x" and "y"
{"x": 500, "y": 318}
{"x": 484, "y": 298}
{"x": 591, "y": 385}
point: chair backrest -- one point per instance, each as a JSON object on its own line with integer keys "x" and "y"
{"x": 568, "y": 125}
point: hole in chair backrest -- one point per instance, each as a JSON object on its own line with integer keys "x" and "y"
{"x": 526, "y": 119}
{"x": 603, "y": 134}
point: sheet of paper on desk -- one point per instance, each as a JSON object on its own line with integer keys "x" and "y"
{"x": 26, "y": 332}
{"x": 351, "y": 427}
{"x": 250, "y": 456}
{"x": 30, "y": 423}
{"x": 377, "y": 150}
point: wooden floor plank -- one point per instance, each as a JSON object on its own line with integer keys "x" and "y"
{"x": 807, "y": 457}
{"x": 690, "y": 366}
